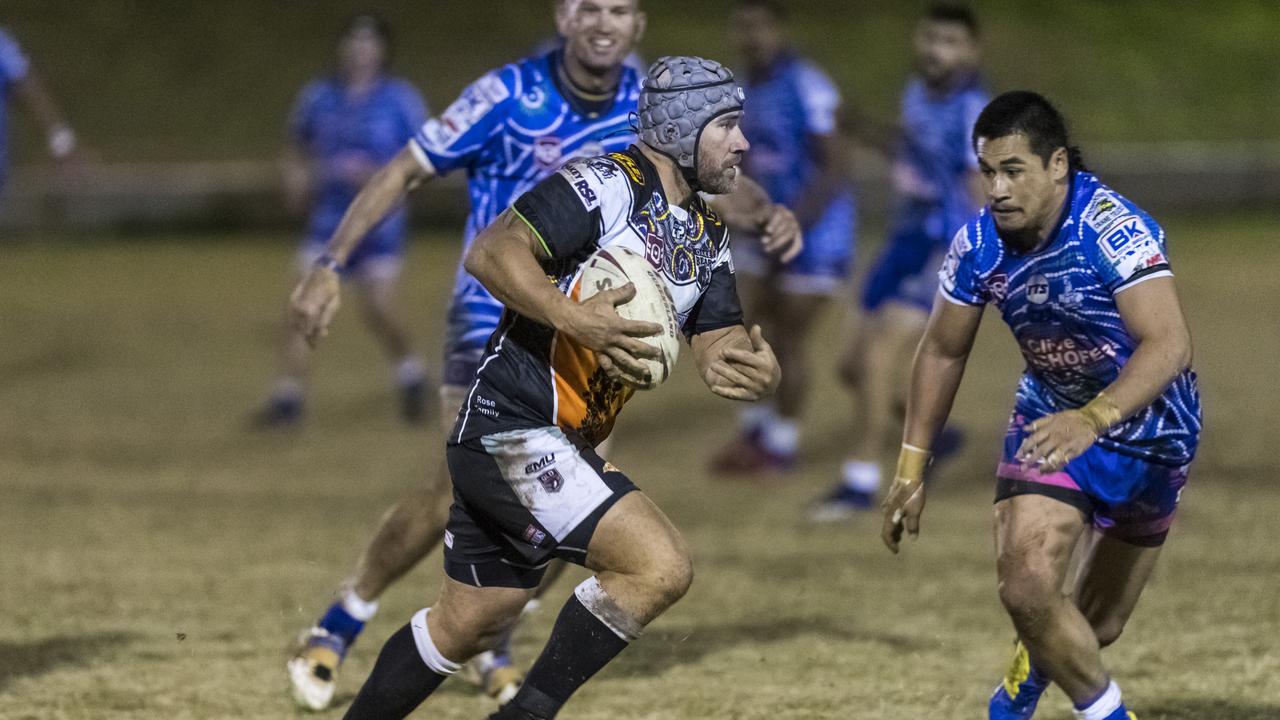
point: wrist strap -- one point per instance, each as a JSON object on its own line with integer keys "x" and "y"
{"x": 911, "y": 462}
{"x": 328, "y": 262}
{"x": 1101, "y": 412}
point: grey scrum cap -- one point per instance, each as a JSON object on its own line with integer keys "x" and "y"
{"x": 681, "y": 94}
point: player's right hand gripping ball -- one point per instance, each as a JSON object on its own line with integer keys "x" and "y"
{"x": 614, "y": 267}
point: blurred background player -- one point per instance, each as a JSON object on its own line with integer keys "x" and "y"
{"x": 343, "y": 128}
{"x": 1107, "y": 415}
{"x": 938, "y": 188}
{"x": 18, "y": 79}
{"x": 797, "y": 156}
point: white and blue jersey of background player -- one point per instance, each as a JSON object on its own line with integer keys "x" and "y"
{"x": 785, "y": 110}
{"x": 13, "y": 68}
{"x": 930, "y": 174}
{"x": 1059, "y": 302}
{"x": 346, "y": 138}
{"x": 509, "y": 130}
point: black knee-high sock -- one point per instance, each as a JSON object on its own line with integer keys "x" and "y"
{"x": 400, "y": 681}
{"x": 579, "y": 647}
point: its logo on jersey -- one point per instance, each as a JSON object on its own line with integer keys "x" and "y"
{"x": 551, "y": 480}
{"x": 1038, "y": 289}
{"x": 546, "y": 152}
{"x": 629, "y": 166}
{"x": 1124, "y": 239}
{"x": 998, "y": 286}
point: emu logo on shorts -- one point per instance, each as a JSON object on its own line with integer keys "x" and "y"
{"x": 543, "y": 462}
{"x": 551, "y": 480}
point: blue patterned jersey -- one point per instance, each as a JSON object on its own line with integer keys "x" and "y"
{"x": 510, "y": 129}
{"x": 1060, "y": 304}
{"x": 785, "y": 109}
{"x": 347, "y": 138}
{"x": 13, "y": 67}
{"x": 936, "y": 152}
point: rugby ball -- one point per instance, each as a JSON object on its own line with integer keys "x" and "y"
{"x": 613, "y": 267}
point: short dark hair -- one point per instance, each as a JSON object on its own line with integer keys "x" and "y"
{"x": 949, "y": 12}
{"x": 773, "y": 7}
{"x": 1031, "y": 114}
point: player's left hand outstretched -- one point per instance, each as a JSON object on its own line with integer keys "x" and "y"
{"x": 314, "y": 302}
{"x": 904, "y": 504}
{"x": 742, "y": 374}
{"x": 1056, "y": 440}
{"x": 780, "y": 233}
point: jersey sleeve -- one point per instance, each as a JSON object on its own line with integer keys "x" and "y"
{"x": 302, "y": 118}
{"x": 571, "y": 209}
{"x": 819, "y": 98}
{"x": 456, "y": 138}
{"x": 1130, "y": 251}
{"x": 13, "y": 63}
{"x": 718, "y": 307}
{"x": 960, "y": 279}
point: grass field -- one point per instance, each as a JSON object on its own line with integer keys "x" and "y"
{"x": 156, "y": 558}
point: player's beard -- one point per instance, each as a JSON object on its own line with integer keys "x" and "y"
{"x": 715, "y": 178}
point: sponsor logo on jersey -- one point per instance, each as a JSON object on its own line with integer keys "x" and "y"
{"x": 551, "y": 480}
{"x": 586, "y": 193}
{"x": 1070, "y": 298}
{"x": 997, "y": 286}
{"x": 493, "y": 89}
{"x": 603, "y": 169}
{"x": 541, "y": 463}
{"x": 1038, "y": 289}
{"x": 1103, "y": 210}
{"x": 1064, "y": 353}
{"x": 629, "y": 166}
{"x": 546, "y": 151}
{"x": 1125, "y": 238}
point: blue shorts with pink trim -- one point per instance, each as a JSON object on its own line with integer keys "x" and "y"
{"x": 1125, "y": 497}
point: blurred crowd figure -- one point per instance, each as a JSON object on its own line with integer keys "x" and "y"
{"x": 799, "y": 157}
{"x": 343, "y": 128}
{"x": 19, "y": 79}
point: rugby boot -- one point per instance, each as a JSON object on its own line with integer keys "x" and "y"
{"x": 281, "y": 411}
{"x": 1016, "y": 696}
{"x": 313, "y": 670}
{"x": 747, "y": 455}
{"x": 842, "y": 503}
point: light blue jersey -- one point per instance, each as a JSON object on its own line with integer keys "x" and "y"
{"x": 346, "y": 137}
{"x": 1059, "y": 302}
{"x": 13, "y": 68}
{"x": 509, "y": 130}
{"x": 787, "y": 108}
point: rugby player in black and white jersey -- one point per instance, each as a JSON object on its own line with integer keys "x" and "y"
{"x": 528, "y": 484}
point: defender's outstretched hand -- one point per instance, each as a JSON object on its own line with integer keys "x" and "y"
{"x": 314, "y": 302}
{"x": 905, "y": 502}
{"x": 598, "y": 326}
{"x": 742, "y": 374}
{"x": 780, "y": 234}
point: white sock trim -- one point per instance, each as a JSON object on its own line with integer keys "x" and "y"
{"x": 781, "y": 436}
{"x": 360, "y": 609}
{"x": 1108, "y": 703}
{"x": 410, "y": 370}
{"x": 861, "y": 476}
{"x": 598, "y": 603}
{"x": 427, "y": 649}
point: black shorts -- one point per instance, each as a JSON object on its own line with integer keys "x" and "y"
{"x": 521, "y": 498}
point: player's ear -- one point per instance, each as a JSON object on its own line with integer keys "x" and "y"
{"x": 1059, "y": 164}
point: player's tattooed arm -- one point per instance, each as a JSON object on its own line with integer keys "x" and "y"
{"x": 735, "y": 363}
{"x": 315, "y": 300}
{"x": 749, "y": 209}
{"x": 506, "y": 258}
{"x": 1153, "y": 317}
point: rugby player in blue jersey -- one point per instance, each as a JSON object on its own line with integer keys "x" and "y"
{"x": 1107, "y": 415}
{"x": 800, "y": 160}
{"x": 343, "y": 128}
{"x": 936, "y": 188}
{"x": 17, "y": 79}
{"x": 510, "y": 129}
